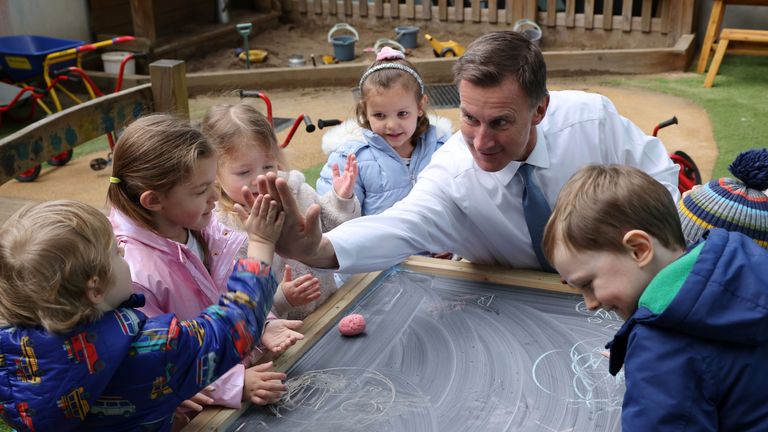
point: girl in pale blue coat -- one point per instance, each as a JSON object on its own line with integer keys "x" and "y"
{"x": 397, "y": 139}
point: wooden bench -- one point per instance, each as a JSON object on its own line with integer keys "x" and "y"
{"x": 755, "y": 42}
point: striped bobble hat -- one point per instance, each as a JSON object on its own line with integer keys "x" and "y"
{"x": 734, "y": 204}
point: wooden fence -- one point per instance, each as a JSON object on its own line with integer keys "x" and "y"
{"x": 665, "y": 17}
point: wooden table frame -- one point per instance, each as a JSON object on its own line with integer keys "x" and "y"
{"x": 318, "y": 323}
{"x": 714, "y": 27}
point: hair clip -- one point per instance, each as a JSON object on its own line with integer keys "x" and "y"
{"x": 114, "y": 180}
{"x": 388, "y": 53}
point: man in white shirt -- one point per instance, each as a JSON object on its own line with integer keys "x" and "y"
{"x": 469, "y": 199}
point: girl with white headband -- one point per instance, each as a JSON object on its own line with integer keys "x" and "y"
{"x": 397, "y": 139}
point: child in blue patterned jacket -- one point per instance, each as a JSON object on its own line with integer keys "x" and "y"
{"x": 397, "y": 139}
{"x": 74, "y": 354}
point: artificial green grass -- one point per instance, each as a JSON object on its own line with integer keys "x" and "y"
{"x": 737, "y": 105}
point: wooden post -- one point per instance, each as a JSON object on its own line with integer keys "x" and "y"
{"x": 169, "y": 86}
{"x": 143, "y": 16}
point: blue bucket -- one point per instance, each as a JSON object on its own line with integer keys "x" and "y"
{"x": 343, "y": 46}
{"x": 408, "y": 36}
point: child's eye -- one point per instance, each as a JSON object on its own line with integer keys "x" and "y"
{"x": 242, "y": 173}
{"x": 269, "y": 167}
{"x": 403, "y": 114}
{"x": 203, "y": 191}
{"x": 378, "y": 116}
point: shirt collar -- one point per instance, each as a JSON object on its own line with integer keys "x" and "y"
{"x": 539, "y": 157}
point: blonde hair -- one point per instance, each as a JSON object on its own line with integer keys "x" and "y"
{"x": 230, "y": 127}
{"x": 385, "y": 79}
{"x": 48, "y": 254}
{"x": 600, "y": 204}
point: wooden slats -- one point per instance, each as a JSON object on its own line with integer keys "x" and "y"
{"x": 667, "y": 15}
{"x": 426, "y": 10}
{"x": 410, "y": 9}
{"x": 493, "y": 11}
{"x": 551, "y": 13}
{"x": 458, "y": 11}
{"x": 589, "y": 14}
{"x": 476, "y": 11}
{"x": 607, "y": 15}
{"x": 626, "y": 16}
{"x": 645, "y": 20}
{"x": 570, "y": 13}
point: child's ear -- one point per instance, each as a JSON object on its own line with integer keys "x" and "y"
{"x": 423, "y": 104}
{"x": 150, "y": 200}
{"x": 640, "y": 244}
{"x": 94, "y": 292}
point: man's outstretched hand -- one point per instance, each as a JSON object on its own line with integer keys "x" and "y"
{"x": 301, "y": 238}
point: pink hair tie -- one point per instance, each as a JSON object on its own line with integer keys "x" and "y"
{"x": 388, "y": 53}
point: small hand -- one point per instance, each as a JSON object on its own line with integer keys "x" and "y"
{"x": 195, "y": 403}
{"x": 261, "y": 386}
{"x": 344, "y": 186}
{"x": 264, "y": 222}
{"x": 301, "y": 236}
{"x": 303, "y": 290}
{"x": 280, "y": 334}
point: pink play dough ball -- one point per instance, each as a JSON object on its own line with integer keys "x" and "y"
{"x": 352, "y": 325}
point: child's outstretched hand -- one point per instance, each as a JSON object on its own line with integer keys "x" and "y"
{"x": 299, "y": 291}
{"x": 261, "y": 386}
{"x": 265, "y": 220}
{"x": 280, "y": 334}
{"x": 344, "y": 185}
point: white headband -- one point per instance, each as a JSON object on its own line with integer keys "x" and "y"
{"x": 397, "y": 66}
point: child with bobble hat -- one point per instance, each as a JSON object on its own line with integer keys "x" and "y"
{"x": 734, "y": 204}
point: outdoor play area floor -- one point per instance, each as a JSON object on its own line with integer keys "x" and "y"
{"x": 77, "y": 181}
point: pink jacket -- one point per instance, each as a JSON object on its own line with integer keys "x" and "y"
{"x": 174, "y": 280}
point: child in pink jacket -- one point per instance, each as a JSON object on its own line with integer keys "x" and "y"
{"x": 162, "y": 194}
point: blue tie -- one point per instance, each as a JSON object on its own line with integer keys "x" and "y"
{"x": 537, "y": 213}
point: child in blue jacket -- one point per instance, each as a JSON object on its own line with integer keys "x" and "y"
{"x": 695, "y": 340}
{"x": 74, "y": 354}
{"x": 397, "y": 139}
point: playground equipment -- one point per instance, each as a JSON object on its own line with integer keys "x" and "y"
{"x": 309, "y": 127}
{"x": 27, "y": 58}
{"x": 689, "y": 173}
{"x": 445, "y": 49}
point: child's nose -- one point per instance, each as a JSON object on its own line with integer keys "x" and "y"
{"x": 591, "y": 303}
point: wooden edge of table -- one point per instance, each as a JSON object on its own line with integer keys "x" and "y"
{"x": 319, "y": 321}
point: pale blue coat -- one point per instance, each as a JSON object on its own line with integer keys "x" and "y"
{"x": 383, "y": 178}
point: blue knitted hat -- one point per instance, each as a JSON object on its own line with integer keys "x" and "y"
{"x": 734, "y": 204}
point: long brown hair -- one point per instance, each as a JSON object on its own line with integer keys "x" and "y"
{"x": 154, "y": 153}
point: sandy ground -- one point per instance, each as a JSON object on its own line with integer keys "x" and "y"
{"x": 693, "y": 135}
{"x": 308, "y": 39}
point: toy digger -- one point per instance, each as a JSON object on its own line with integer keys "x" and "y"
{"x": 445, "y": 49}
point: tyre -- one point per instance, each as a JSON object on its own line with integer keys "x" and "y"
{"x": 29, "y": 175}
{"x": 61, "y": 159}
